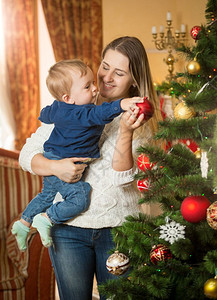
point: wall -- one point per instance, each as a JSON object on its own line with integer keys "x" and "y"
{"x": 136, "y": 18}
{"x": 130, "y": 17}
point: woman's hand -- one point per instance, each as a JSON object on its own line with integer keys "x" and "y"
{"x": 65, "y": 169}
{"x": 123, "y": 157}
{"x": 130, "y": 122}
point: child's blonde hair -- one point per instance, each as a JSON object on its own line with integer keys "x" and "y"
{"x": 59, "y": 80}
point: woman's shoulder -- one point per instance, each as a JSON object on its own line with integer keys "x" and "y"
{"x": 45, "y": 129}
{"x": 41, "y": 134}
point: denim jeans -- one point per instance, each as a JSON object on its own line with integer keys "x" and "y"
{"x": 76, "y": 255}
{"x": 75, "y": 195}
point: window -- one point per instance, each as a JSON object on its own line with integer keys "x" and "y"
{"x": 46, "y": 55}
{"x": 7, "y": 127}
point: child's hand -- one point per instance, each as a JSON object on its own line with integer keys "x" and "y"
{"x": 129, "y": 104}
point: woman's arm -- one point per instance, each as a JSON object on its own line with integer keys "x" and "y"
{"x": 34, "y": 145}
{"x": 32, "y": 160}
{"x": 123, "y": 157}
{"x": 65, "y": 169}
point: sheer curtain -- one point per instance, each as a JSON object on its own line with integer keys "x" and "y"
{"x": 46, "y": 56}
{"x": 21, "y": 56}
{"x": 7, "y": 124}
{"x": 75, "y": 28}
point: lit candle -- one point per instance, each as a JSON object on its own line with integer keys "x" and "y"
{"x": 161, "y": 29}
{"x": 177, "y": 31}
{"x": 169, "y": 17}
{"x": 154, "y": 30}
{"x": 183, "y": 30}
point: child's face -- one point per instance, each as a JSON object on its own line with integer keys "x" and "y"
{"x": 83, "y": 90}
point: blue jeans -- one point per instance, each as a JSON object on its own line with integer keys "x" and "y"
{"x": 75, "y": 195}
{"x": 76, "y": 255}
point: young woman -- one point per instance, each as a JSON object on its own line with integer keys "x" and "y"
{"x": 81, "y": 246}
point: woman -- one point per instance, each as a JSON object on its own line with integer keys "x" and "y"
{"x": 81, "y": 247}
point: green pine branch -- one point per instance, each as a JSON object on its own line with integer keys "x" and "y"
{"x": 198, "y": 129}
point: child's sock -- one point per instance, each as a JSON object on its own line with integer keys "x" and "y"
{"x": 43, "y": 225}
{"x": 20, "y": 231}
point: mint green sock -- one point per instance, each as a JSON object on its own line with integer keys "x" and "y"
{"x": 43, "y": 225}
{"x": 21, "y": 232}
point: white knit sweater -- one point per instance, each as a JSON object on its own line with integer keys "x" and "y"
{"x": 113, "y": 195}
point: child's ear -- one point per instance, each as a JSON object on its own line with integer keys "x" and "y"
{"x": 65, "y": 98}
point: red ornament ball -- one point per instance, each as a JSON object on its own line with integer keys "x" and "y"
{"x": 143, "y": 185}
{"x": 143, "y": 162}
{"x": 211, "y": 216}
{"x": 190, "y": 144}
{"x": 160, "y": 253}
{"x": 195, "y": 32}
{"x": 146, "y": 108}
{"x": 193, "y": 208}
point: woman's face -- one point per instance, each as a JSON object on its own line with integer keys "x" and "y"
{"x": 114, "y": 78}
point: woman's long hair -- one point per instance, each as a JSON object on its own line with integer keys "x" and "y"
{"x": 132, "y": 48}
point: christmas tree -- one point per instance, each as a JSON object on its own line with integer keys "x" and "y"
{"x": 174, "y": 255}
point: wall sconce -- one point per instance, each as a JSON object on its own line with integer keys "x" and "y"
{"x": 168, "y": 41}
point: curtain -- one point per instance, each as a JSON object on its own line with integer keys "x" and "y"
{"x": 20, "y": 33}
{"x": 75, "y": 28}
{"x": 7, "y": 126}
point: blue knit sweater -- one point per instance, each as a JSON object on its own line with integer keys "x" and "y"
{"x": 77, "y": 128}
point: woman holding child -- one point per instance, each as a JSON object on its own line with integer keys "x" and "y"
{"x": 81, "y": 245}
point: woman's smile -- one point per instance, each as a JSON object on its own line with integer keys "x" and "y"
{"x": 114, "y": 78}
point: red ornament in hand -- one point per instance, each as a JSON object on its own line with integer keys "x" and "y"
{"x": 146, "y": 108}
{"x": 195, "y": 32}
{"x": 143, "y": 162}
{"x": 193, "y": 208}
{"x": 160, "y": 253}
{"x": 143, "y": 185}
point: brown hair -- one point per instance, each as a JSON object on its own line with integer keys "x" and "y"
{"x": 59, "y": 79}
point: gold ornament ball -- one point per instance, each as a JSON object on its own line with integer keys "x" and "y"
{"x": 193, "y": 67}
{"x": 117, "y": 263}
{"x": 182, "y": 111}
{"x": 197, "y": 153}
{"x": 210, "y": 288}
{"x": 211, "y": 215}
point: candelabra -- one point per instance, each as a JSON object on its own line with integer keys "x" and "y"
{"x": 169, "y": 42}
